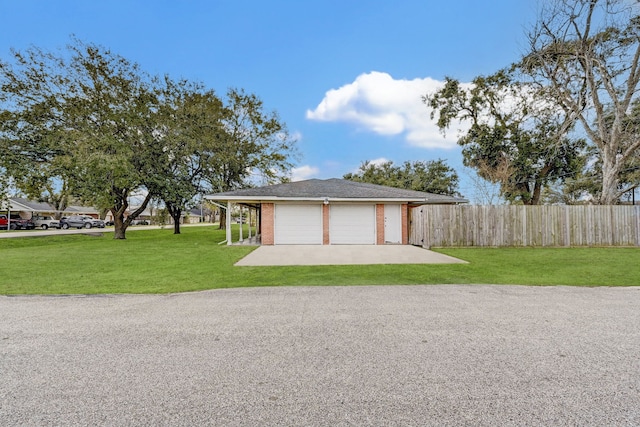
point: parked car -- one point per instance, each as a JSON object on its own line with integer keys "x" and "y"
{"x": 45, "y": 222}
{"x": 95, "y": 222}
{"x": 75, "y": 221}
{"x": 15, "y": 222}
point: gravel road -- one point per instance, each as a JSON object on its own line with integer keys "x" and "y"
{"x": 316, "y": 356}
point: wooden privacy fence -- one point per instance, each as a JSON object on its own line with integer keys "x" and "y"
{"x": 466, "y": 225}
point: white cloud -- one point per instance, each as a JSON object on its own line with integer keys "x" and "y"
{"x": 303, "y": 172}
{"x": 379, "y": 161}
{"x": 378, "y": 103}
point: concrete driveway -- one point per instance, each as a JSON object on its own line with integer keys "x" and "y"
{"x": 344, "y": 255}
{"x": 324, "y": 356}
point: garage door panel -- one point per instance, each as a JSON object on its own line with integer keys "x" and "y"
{"x": 352, "y": 224}
{"x": 298, "y": 225}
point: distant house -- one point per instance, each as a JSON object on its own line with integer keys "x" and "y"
{"x": 330, "y": 212}
{"x": 196, "y": 215}
{"x": 28, "y": 208}
{"x": 151, "y": 216}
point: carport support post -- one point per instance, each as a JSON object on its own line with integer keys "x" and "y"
{"x": 228, "y": 223}
{"x": 241, "y": 238}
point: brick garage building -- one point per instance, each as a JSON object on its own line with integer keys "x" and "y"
{"x": 330, "y": 212}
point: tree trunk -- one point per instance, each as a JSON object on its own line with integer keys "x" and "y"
{"x": 120, "y": 224}
{"x": 60, "y": 205}
{"x": 609, "y": 194}
{"x": 535, "y": 200}
{"x": 223, "y": 220}
{"x": 175, "y": 213}
{"x": 119, "y": 227}
{"x": 176, "y": 221}
{"x": 526, "y": 195}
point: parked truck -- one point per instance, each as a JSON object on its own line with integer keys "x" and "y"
{"x": 15, "y": 222}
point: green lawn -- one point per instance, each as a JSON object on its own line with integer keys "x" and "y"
{"x": 156, "y": 261}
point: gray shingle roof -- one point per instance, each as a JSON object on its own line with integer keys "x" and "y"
{"x": 333, "y": 189}
{"x": 35, "y": 206}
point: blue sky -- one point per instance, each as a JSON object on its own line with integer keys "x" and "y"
{"x": 345, "y": 76}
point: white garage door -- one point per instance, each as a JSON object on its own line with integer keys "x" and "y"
{"x": 352, "y": 225}
{"x": 298, "y": 225}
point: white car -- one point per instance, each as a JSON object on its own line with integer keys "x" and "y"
{"x": 45, "y": 222}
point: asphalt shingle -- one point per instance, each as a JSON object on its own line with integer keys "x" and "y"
{"x": 336, "y": 189}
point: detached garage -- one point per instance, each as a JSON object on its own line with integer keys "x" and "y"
{"x": 329, "y": 212}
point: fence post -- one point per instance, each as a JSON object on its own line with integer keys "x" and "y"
{"x": 567, "y": 227}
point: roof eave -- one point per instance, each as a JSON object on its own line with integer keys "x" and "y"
{"x": 258, "y": 199}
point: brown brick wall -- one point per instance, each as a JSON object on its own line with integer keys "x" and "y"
{"x": 325, "y": 225}
{"x": 267, "y": 223}
{"x": 379, "y": 224}
{"x": 405, "y": 224}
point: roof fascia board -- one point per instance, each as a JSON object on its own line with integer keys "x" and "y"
{"x": 313, "y": 199}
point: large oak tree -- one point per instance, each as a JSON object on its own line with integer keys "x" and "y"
{"x": 515, "y": 137}
{"x": 586, "y": 55}
{"x": 97, "y": 126}
{"x": 191, "y": 124}
{"x": 432, "y": 176}
{"x": 86, "y": 117}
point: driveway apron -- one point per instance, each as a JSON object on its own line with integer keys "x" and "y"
{"x": 343, "y": 255}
